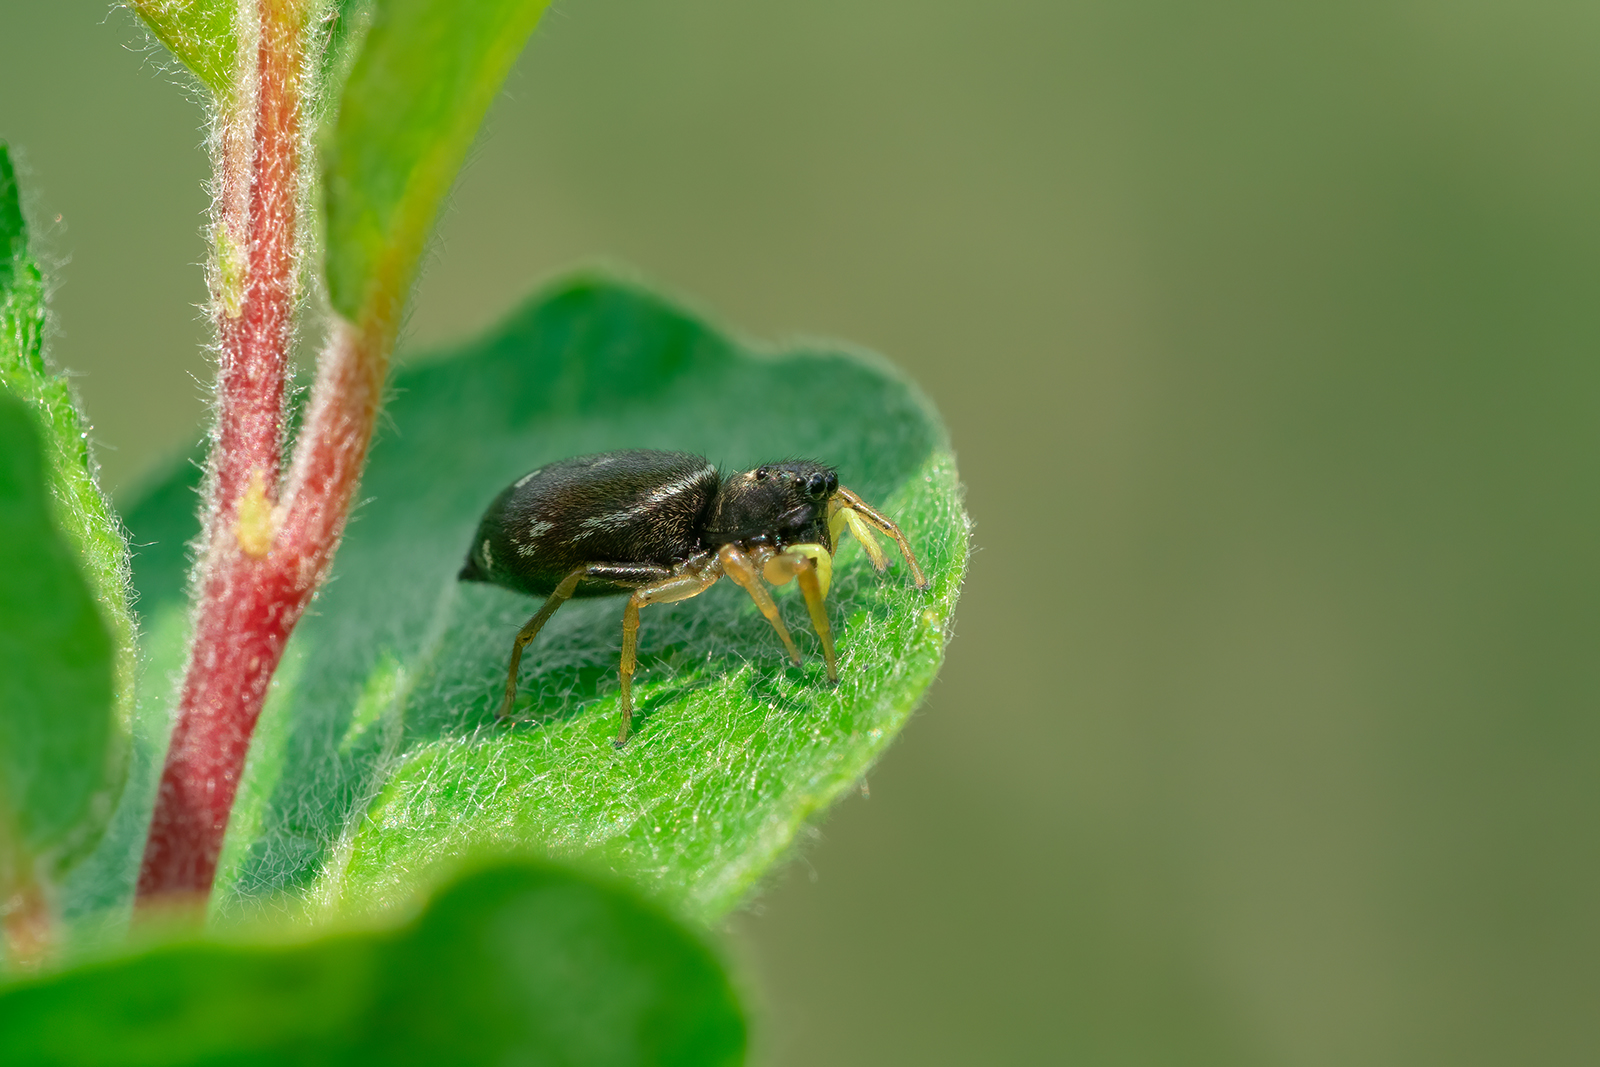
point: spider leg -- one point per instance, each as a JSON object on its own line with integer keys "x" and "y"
{"x": 562, "y": 593}
{"x": 739, "y": 567}
{"x": 883, "y": 523}
{"x": 811, "y": 589}
{"x": 531, "y": 630}
{"x": 813, "y": 565}
{"x": 691, "y": 578}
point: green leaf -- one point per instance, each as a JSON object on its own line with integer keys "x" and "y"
{"x": 378, "y": 753}
{"x": 516, "y": 964}
{"x": 198, "y": 32}
{"x": 67, "y": 658}
{"x": 345, "y": 23}
{"x": 13, "y": 231}
{"x": 420, "y": 85}
{"x": 55, "y": 673}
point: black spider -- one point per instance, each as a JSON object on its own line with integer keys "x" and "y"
{"x": 664, "y": 526}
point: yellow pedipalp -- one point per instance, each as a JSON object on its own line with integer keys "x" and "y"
{"x": 779, "y": 570}
{"x": 864, "y": 534}
{"x": 837, "y": 518}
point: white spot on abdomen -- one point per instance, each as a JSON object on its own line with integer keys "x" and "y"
{"x": 488, "y": 558}
{"x": 536, "y": 530}
{"x": 526, "y": 478}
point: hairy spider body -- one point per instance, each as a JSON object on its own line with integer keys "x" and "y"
{"x": 665, "y": 526}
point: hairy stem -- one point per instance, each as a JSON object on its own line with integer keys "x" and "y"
{"x": 250, "y": 588}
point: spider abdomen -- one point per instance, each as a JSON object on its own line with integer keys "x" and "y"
{"x": 629, "y": 507}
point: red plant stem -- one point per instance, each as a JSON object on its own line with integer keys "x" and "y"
{"x": 255, "y": 341}
{"x": 245, "y": 624}
{"x": 260, "y": 563}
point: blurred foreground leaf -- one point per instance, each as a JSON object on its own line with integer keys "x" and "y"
{"x": 517, "y": 964}
{"x": 66, "y": 648}
{"x": 378, "y": 754}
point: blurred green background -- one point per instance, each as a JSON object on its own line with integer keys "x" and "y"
{"x": 1269, "y": 338}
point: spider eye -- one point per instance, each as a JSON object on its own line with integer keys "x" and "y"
{"x": 761, "y": 473}
{"x": 817, "y": 484}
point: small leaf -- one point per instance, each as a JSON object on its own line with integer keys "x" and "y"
{"x": 524, "y": 963}
{"x": 198, "y": 32}
{"x": 420, "y": 85}
{"x": 66, "y": 678}
{"x": 379, "y": 752}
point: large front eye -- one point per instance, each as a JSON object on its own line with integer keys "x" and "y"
{"x": 821, "y": 484}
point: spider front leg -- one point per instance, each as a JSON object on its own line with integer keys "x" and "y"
{"x": 847, "y": 507}
{"x": 813, "y": 565}
{"x": 811, "y": 589}
{"x": 746, "y": 572}
{"x": 691, "y": 578}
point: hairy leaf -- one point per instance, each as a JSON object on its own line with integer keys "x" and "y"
{"x": 419, "y": 87}
{"x": 524, "y": 963}
{"x": 66, "y": 637}
{"x": 379, "y": 755}
{"x": 200, "y": 33}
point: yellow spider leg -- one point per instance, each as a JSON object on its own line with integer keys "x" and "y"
{"x": 884, "y": 524}
{"x": 692, "y": 579}
{"x": 811, "y": 588}
{"x": 630, "y": 649}
{"x": 737, "y": 565}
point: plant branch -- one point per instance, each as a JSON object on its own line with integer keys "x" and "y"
{"x": 408, "y": 110}
{"x": 242, "y": 616}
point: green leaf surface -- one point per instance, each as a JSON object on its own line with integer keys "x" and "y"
{"x": 425, "y": 75}
{"x": 200, "y": 33}
{"x": 524, "y": 963}
{"x": 67, "y": 657}
{"x": 378, "y": 755}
